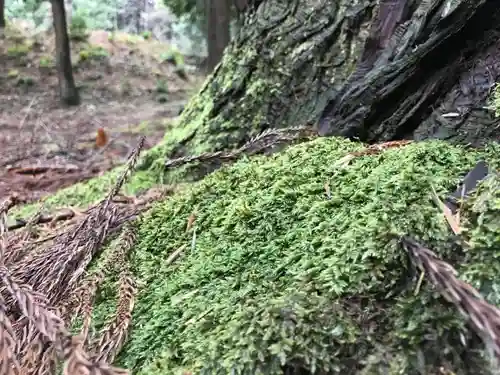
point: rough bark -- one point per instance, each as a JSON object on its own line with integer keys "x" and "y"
{"x": 68, "y": 91}
{"x": 2, "y": 14}
{"x": 353, "y": 68}
{"x": 218, "y": 15}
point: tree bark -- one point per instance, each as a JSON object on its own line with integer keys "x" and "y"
{"x": 68, "y": 91}
{"x": 218, "y": 15}
{"x": 2, "y": 14}
{"x": 362, "y": 70}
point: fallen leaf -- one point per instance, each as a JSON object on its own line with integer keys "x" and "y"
{"x": 101, "y": 138}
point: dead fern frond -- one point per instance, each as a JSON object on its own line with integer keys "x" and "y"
{"x": 484, "y": 317}
{"x": 56, "y": 270}
{"x": 9, "y": 364}
{"x": 265, "y": 141}
{"x": 53, "y": 329}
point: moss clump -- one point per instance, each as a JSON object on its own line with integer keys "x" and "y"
{"x": 277, "y": 275}
{"x": 13, "y": 73}
{"x": 495, "y": 100}
{"x": 93, "y": 53}
{"x": 78, "y": 30}
{"x": 173, "y": 56}
{"x": 18, "y": 50}
{"x": 46, "y": 62}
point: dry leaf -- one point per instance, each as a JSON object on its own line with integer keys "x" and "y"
{"x": 101, "y": 138}
{"x": 453, "y": 220}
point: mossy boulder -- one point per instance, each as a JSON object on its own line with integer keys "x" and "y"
{"x": 277, "y": 275}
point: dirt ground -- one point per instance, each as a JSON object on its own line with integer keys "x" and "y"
{"x": 129, "y": 87}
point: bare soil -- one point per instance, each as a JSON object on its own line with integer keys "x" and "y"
{"x": 127, "y": 90}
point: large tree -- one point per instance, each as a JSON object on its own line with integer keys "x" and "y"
{"x": 375, "y": 71}
{"x": 2, "y": 13}
{"x": 68, "y": 91}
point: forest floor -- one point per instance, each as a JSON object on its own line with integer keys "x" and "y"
{"x": 129, "y": 87}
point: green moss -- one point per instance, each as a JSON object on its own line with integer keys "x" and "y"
{"x": 13, "y": 73}
{"x": 495, "y": 100}
{"x": 173, "y": 56}
{"x": 93, "y": 53}
{"x": 18, "y": 50}
{"x": 46, "y": 62}
{"x": 279, "y": 274}
{"x": 78, "y": 30}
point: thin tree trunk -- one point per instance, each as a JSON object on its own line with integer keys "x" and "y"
{"x": 2, "y": 14}
{"x": 218, "y": 15}
{"x": 68, "y": 91}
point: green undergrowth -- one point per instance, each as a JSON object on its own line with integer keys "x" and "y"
{"x": 277, "y": 275}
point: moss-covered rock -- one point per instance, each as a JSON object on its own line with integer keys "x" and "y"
{"x": 278, "y": 274}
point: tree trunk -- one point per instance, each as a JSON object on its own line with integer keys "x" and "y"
{"x": 68, "y": 91}
{"x": 218, "y": 16}
{"x": 2, "y": 14}
{"x": 375, "y": 73}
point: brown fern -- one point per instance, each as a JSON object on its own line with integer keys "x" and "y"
{"x": 9, "y": 364}
{"x": 265, "y": 141}
{"x": 57, "y": 269}
{"x": 53, "y": 329}
{"x": 484, "y": 317}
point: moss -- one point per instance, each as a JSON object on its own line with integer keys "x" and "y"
{"x": 173, "y": 56}
{"x": 18, "y": 50}
{"x": 276, "y": 274}
{"x": 495, "y": 100}
{"x": 13, "y": 73}
{"x": 78, "y": 30}
{"x": 93, "y": 53}
{"x": 46, "y": 62}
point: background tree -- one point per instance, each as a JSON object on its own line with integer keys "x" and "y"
{"x": 218, "y": 20}
{"x": 67, "y": 88}
{"x": 2, "y": 13}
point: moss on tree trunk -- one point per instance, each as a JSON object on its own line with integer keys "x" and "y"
{"x": 274, "y": 73}
{"x": 354, "y": 69}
